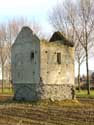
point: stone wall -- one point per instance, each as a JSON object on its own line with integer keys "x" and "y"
{"x": 36, "y": 92}
{"x": 57, "y": 79}
{"x": 28, "y": 92}
{"x": 51, "y": 71}
{"x": 25, "y": 64}
{"x": 26, "y": 58}
{"x": 57, "y": 92}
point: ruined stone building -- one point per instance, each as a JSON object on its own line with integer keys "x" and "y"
{"x": 41, "y": 69}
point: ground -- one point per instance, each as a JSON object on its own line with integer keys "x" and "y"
{"x": 46, "y": 112}
{"x": 76, "y": 112}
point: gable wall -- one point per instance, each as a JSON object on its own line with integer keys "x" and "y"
{"x": 25, "y": 69}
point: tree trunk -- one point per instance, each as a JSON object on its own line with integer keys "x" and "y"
{"x": 79, "y": 77}
{"x": 87, "y": 69}
{"x": 10, "y": 81}
{"x": 2, "y": 78}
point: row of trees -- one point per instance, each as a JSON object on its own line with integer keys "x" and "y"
{"x": 8, "y": 33}
{"x": 76, "y": 20}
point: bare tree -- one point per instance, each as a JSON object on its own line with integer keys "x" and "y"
{"x": 3, "y": 50}
{"x": 57, "y": 19}
{"x": 80, "y": 58}
{"x": 86, "y": 25}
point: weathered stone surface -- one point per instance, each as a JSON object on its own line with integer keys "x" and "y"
{"x": 47, "y": 91}
{"x": 25, "y": 58}
{"x": 51, "y": 71}
{"x": 56, "y": 92}
{"x": 26, "y": 92}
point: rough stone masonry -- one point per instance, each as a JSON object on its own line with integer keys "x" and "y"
{"x": 42, "y": 69}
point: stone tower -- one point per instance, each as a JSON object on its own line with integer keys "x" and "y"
{"x": 41, "y": 69}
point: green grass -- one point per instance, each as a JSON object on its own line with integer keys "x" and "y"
{"x": 83, "y": 94}
{"x": 6, "y": 91}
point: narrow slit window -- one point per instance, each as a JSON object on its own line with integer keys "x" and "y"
{"x": 32, "y": 55}
{"x": 59, "y": 58}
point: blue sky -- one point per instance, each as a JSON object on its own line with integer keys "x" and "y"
{"x": 27, "y": 8}
{"x": 31, "y": 9}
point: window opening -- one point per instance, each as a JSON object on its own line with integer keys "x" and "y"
{"x": 32, "y": 55}
{"x": 59, "y": 58}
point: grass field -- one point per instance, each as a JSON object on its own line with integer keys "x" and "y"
{"x": 83, "y": 94}
{"x": 6, "y": 91}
